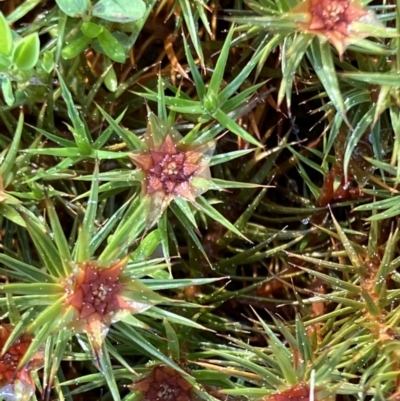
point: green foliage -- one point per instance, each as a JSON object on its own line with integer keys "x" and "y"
{"x": 18, "y": 57}
{"x": 119, "y": 10}
{"x": 200, "y": 198}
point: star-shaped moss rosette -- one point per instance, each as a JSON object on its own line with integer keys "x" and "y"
{"x": 16, "y": 382}
{"x": 99, "y": 296}
{"x": 164, "y": 383}
{"x": 341, "y": 22}
{"x": 171, "y": 169}
{"x": 70, "y": 288}
{"x": 293, "y": 365}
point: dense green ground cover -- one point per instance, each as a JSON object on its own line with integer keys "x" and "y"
{"x": 199, "y": 200}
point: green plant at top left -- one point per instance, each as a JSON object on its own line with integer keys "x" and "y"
{"x": 18, "y": 58}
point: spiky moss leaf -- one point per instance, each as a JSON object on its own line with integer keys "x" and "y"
{"x": 389, "y": 79}
{"x": 132, "y": 141}
{"x": 268, "y": 376}
{"x": 351, "y": 252}
{"x": 59, "y": 238}
{"x": 135, "y": 322}
{"x": 156, "y": 284}
{"x": 211, "y": 100}
{"x": 323, "y": 263}
{"x": 281, "y": 353}
{"x": 192, "y": 27}
{"x": 334, "y": 282}
{"x": 293, "y": 52}
{"x": 254, "y": 255}
{"x": 108, "y": 78}
{"x": 8, "y": 163}
{"x": 87, "y": 230}
{"x": 232, "y": 126}
{"x": 188, "y": 221}
{"x": 163, "y": 230}
{"x": 264, "y": 172}
{"x": 135, "y": 337}
{"x": 219, "y": 184}
{"x": 198, "y": 80}
{"x": 273, "y": 338}
{"x": 314, "y": 189}
{"x": 355, "y": 136}
{"x": 129, "y": 177}
{"x": 237, "y": 105}
{"x": 146, "y": 247}
{"x": 161, "y": 107}
{"x": 269, "y": 361}
{"x": 116, "y": 356}
{"x": 130, "y": 227}
{"x": 154, "y": 268}
{"x": 215, "y": 215}
{"x": 80, "y": 131}
{"x": 106, "y": 369}
{"x": 232, "y": 87}
{"x": 378, "y": 205}
{"x": 54, "y": 173}
{"x": 53, "y": 355}
{"x": 307, "y": 161}
{"x": 48, "y": 321}
{"x": 65, "y": 143}
{"x": 45, "y": 246}
{"x": 303, "y": 342}
{"x": 243, "y": 219}
{"x": 100, "y": 236}
{"x": 18, "y": 330}
{"x": 68, "y": 152}
{"x": 226, "y": 157}
{"x": 32, "y": 288}
{"x": 320, "y": 56}
{"x": 11, "y": 214}
{"x": 384, "y": 267}
{"x": 395, "y": 122}
{"x": 157, "y": 313}
{"x": 341, "y": 300}
{"x": 392, "y": 205}
{"x": 172, "y": 340}
{"x": 105, "y": 135}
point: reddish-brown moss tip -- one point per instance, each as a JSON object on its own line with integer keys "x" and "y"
{"x": 164, "y": 384}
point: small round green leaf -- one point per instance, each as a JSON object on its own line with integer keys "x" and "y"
{"x": 91, "y": 30}
{"x": 48, "y": 61}
{"x": 76, "y": 47}
{"x": 111, "y": 80}
{"x": 6, "y": 37}
{"x": 120, "y": 10}
{"x": 73, "y": 8}
{"x": 6, "y": 87}
{"x": 26, "y": 53}
{"x": 111, "y": 47}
